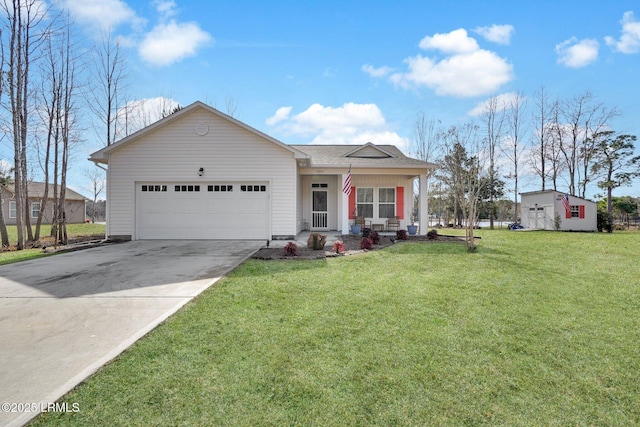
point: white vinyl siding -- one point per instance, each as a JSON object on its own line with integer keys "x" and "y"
{"x": 174, "y": 153}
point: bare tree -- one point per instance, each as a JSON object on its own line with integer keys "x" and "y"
{"x": 464, "y": 174}
{"x": 543, "y": 130}
{"x": 26, "y": 31}
{"x": 231, "y": 105}
{"x": 554, "y": 148}
{"x": 5, "y": 177}
{"x": 515, "y": 143}
{"x": 426, "y": 135}
{"x": 106, "y": 98}
{"x": 97, "y": 183}
{"x": 584, "y": 117}
{"x": 493, "y": 119}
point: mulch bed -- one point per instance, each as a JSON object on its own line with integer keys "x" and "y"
{"x": 351, "y": 247}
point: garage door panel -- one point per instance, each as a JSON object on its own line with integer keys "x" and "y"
{"x": 202, "y": 214}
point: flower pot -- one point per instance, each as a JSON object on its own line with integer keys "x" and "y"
{"x": 355, "y": 229}
{"x": 412, "y": 229}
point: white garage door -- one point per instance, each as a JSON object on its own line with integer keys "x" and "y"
{"x": 229, "y": 210}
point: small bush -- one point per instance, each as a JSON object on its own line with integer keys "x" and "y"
{"x": 401, "y": 234}
{"x": 375, "y": 237}
{"x": 338, "y": 247}
{"x": 366, "y": 232}
{"x": 366, "y": 243}
{"x": 291, "y": 249}
{"x": 432, "y": 235}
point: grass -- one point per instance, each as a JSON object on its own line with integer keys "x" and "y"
{"x": 535, "y": 328}
{"x": 73, "y": 230}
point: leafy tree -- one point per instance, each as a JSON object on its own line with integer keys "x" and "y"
{"x": 615, "y": 165}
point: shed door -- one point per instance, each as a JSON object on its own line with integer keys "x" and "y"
{"x": 215, "y": 210}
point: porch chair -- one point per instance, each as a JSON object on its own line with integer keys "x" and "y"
{"x": 393, "y": 223}
{"x": 360, "y": 220}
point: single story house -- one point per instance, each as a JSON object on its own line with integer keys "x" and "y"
{"x": 539, "y": 209}
{"x": 201, "y": 174}
{"x": 75, "y": 204}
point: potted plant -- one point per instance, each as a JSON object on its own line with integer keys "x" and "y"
{"x": 356, "y": 227}
{"x": 413, "y": 229}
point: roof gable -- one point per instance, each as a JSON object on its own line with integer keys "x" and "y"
{"x": 102, "y": 155}
{"x": 369, "y": 151}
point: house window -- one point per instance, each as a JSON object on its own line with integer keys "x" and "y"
{"x": 186, "y": 188}
{"x": 35, "y": 209}
{"x": 386, "y": 202}
{"x": 12, "y": 209}
{"x": 257, "y": 188}
{"x": 575, "y": 211}
{"x": 153, "y": 188}
{"x": 364, "y": 202}
{"x": 578, "y": 211}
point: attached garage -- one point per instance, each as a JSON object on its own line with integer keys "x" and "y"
{"x": 203, "y": 210}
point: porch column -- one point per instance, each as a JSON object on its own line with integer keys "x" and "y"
{"x": 423, "y": 203}
{"x": 343, "y": 208}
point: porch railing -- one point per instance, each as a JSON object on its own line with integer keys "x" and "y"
{"x": 319, "y": 220}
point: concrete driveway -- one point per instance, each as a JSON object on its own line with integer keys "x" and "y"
{"x": 64, "y": 316}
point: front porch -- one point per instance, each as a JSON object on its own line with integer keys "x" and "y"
{"x": 376, "y": 197}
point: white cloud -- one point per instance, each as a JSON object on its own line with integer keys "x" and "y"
{"x": 172, "y": 42}
{"x": 630, "y": 39}
{"x": 455, "y": 42}
{"x": 500, "y": 34}
{"x": 104, "y": 14}
{"x": 464, "y": 75}
{"x": 348, "y": 124}
{"x": 466, "y": 70}
{"x": 502, "y": 102}
{"x": 281, "y": 114}
{"x": 574, "y": 53}
{"x": 377, "y": 72}
{"x": 166, "y": 8}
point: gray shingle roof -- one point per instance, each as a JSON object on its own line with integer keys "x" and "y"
{"x": 337, "y": 156}
{"x": 36, "y": 191}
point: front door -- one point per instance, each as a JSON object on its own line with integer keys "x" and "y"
{"x": 319, "y": 210}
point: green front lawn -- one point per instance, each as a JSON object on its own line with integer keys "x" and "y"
{"x": 73, "y": 231}
{"x": 535, "y": 328}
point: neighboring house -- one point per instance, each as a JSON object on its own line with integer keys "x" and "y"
{"x": 538, "y": 210}
{"x": 75, "y": 209}
{"x": 201, "y": 174}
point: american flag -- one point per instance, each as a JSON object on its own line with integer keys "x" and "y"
{"x": 346, "y": 188}
{"x": 565, "y": 202}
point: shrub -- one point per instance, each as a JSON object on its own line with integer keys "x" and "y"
{"x": 291, "y": 249}
{"x": 401, "y": 234}
{"x": 338, "y": 247}
{"x": 366, "y": 243}
{"x": 375, "y": 237}
{"x": 366, "y": 232}
{"x": 432, "y": 235}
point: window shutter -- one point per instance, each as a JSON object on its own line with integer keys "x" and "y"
{"x": 567, "y": 213}
{"x": 400, "y": 202}
{"x": 581, "y": 211}
{"x": 352, "y": 203}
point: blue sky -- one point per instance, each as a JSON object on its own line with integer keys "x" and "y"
{"x": 358, "y": 71}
